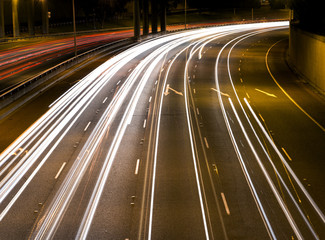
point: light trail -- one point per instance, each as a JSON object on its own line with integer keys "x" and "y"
{"x": 157, "y": 56}
{"x": 84, "y": 228}
{"x": 47, "y": 228}
{"x": 239, "y": 154}
{"x": 285, "y": 210}
{"x": 78, "y": 98}
{"x": 43, "y": 137}
{"x": 310, "y": 199}
{"x": 268, "y": 178}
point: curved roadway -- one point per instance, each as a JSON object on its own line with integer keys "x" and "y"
{"x": 193, "y": 135}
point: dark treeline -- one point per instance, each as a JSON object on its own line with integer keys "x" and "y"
{"x": 219, "y": 4}
{"x": 309, "y": 14}
{"x": 61, "y": 9}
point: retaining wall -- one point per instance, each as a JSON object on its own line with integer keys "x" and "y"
{"x": 307, "y": 56}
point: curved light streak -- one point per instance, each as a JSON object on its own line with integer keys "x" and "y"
{"x": 310, "y": 199}
{"x": 50, "y": 129}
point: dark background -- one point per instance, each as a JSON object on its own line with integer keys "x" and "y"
{"x": 308, "y": 14}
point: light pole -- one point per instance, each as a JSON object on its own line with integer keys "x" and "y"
{"x": 74, "y": 28}
{"x": 2, "y": 20}
{"x": 30, "y": 17}
{"x": 185, "y": 13}
{"x": 15, "y": 21}
{"x": 136, "y": 19}
{"x": 45, "y": 17}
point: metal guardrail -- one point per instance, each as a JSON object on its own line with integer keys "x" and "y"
{"x": 106, "y": 30}
{"x": 14, "y": 92}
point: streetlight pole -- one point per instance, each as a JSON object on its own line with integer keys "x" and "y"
{"x": 154, "y": 17}
{"x": 74, "y": 28}
{"x": 136, "y": 19}
{"x": 185, "y": 13}
{"x": 163, "y": 15}
{"x": 15, "y": 21}
{"x": 2, "y": 20}
{"x": 45, "y": 17}
{"x": 30, "y": 17}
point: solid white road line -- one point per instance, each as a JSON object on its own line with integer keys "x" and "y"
{"x": 60, "y": 170}
{"x": 137, "y": 167}
{"x": 206, "y": 142}
{"x": 223, "y": 94}
{"x": 225, "y": 203}
{"x": 266, "y": 93}
{"x": 87, "y": 127}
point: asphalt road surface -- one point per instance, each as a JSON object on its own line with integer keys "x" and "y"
{"x": 201, "y": 134}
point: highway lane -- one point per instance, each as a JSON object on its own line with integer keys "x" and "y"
{"x": 152, "y": 147}
{"x": 289, "y": 184}
{"x": 19, "y": 115}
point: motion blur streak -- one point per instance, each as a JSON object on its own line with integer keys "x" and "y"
{"x": 87, "y": 154}
{"x": 279, "y": 199}
{"x": 239, "y": 155}
{"x": 314, "y": 205}
{"x": 23, "y": 159}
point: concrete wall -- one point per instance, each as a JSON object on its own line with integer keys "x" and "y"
{"x": 307, "y": 56}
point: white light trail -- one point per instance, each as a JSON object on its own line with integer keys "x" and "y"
{"x": 43, "y": 137}
{"x": 137, "y": 167}
{"x": 239, "y": 155}
{"x": 268, "y": 178}
{"x": 310, "y": 199}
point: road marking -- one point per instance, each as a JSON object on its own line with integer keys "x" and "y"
{"x": 60, "y": 170}
{"x": 178, "y": 93}
{"x": 169, "y": 88}
{"x": 285, "y": 152}
{"x": 241, "y": 80}
{"x": 288, "y": 96}
{"x": 104, "y": 100}
{"x": 87, "y": 127}
{"x": 194, "y": 76}
{"x": 118, "y": 82}
{"x": 225, "y": 203}
{"x": 194, "y": 91}
{"x": 206, "y": 142}
{"x": 137, "y": 167}
{"x": 261, "y": 117}
{"x": 223, "y": 94}
{"x": 130, "y": 70}
{"x": 150, "y": 98}
{"x": 285, "y": 163}
{"x": 266, "y": 93}
{"x": 197, "y": 111}
{"x": 215, "y": 168}
{"x": 144, "y": 123}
